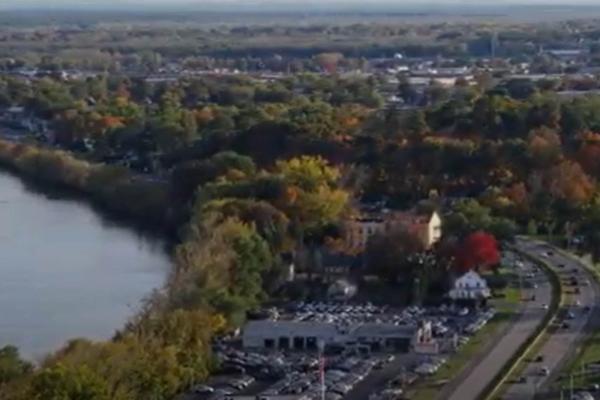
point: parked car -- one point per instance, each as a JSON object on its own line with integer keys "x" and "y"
{"x": 203, "y": 389}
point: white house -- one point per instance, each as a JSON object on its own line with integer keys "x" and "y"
{"x": 470, "y": 286}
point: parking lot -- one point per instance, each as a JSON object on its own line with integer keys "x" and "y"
{"x": 352, "y": 371}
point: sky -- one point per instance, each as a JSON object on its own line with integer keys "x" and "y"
{"x": 282, "y": 5}
{"x": 114, "y": 3}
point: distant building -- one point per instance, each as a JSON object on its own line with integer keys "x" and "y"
{"x": 567, "y": 54}
{"x": 470, "y": 286}
{"x": 445, "y": 81}
{"x": 305, "y": 335}
{"x": 428, "y": 227}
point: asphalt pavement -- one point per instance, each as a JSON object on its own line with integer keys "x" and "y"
{"x": 563, "y": 340}
{"x": 378, "y": 379}
{"x": 533, "y": 312}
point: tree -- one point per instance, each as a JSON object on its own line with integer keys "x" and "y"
{"x": 220, "y": 264}
{"x": 311, "y": 198}
{"x": 389, "y": 255}
{"x": 406, "y": 91}
{"x": 569, "y": 183}
{"x": 329, "y": 61}
{"x": 11, "y": 365}
{"x": 478, "y": 251}
{"x": 415, "y": 124}
{"x": 187, "y": 176}
{"x": 519, "y": 197}
{"x": 271, "y": 223}
{"x": 544, "y": 147}
{"x": 62, "y": 383}
{"x": 588, "y": 155}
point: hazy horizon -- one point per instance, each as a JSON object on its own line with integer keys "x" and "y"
{"x": 284, "y": 4}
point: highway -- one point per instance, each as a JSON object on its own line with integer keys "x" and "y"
{"x": 479, "y": 375}
{"x": 563, "y": 339}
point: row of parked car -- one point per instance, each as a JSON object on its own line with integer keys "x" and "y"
{"x": 342, "y": 374}
{"x": 431, "y": 366}
{"x": 224, "y": 387}
{"x": 482, "y": 319}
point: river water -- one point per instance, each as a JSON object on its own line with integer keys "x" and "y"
{"x": 65, "y": 272}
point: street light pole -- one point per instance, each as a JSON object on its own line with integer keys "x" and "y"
{"x": 571, "y": 385}
{"x": 321, "y": 345}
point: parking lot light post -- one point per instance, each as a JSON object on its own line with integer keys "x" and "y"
{"x": 321, "y": 345}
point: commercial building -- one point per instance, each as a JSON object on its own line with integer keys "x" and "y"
{"x": 306, "y": 335}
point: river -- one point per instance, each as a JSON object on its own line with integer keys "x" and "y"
{"x": 65, "y": 272}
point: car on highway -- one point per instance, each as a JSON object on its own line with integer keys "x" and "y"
{"x": 573, "y": 282}
{"x": 565, "y": 325}
{"x": 539, "y": 358}
{"x": 545, "y": 306}
{"x": 544, "y": 371}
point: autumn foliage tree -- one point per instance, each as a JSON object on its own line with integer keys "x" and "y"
{"x": 544, "y": 147}
{"x": 389, "y": 255}
{"x": 478, "y": 251}
{"x": 568, "y": 182}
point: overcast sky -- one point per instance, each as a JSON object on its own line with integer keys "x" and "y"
{"x": 109, "y": 3}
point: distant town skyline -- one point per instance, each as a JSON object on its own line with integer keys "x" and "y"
{"x": 107, "y": 4}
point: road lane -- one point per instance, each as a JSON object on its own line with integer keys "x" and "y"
{"x": 472, "y": 386}
{"x": 564, "y": 339}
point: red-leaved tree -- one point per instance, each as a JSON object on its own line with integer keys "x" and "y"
{"x": 479, "y": 251}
